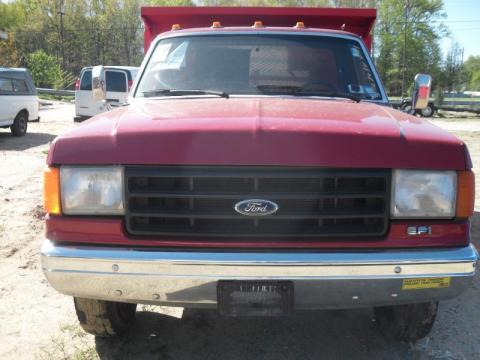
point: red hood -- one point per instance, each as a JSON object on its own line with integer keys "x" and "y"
{"x": 259, "y": 131}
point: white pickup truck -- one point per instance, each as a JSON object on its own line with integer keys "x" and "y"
{"x": 18, "y": 100}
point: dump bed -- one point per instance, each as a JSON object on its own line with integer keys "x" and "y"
{"x": 160, "y": 19}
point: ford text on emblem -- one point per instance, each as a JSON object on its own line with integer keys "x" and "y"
{"x": 256, "y": 207}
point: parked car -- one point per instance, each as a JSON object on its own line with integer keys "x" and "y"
{"x": 119, "y": 80}
{"x": 18, "y": 100}
{"x": 259, "y": 170}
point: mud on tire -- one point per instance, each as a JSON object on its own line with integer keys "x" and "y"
{"x": 104, "y": 318}
{"x": 407, "y": 323}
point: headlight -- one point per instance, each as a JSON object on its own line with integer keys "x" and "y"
{"x": 423, "y": 194}
{"x": 92, "y": 190}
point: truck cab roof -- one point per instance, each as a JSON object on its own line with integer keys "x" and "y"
{"x": 263, "y": 29}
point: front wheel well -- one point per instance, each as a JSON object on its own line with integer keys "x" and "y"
{"x": 23, "y": 111}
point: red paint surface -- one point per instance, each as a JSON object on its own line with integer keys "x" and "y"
{"x": 111, "y": 232}
{"x": 160, "y": 19}
{"x": 259, "y": 131}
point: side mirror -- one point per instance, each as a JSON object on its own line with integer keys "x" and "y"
{"x": 421, "y": 91}
{"x": 99, "y": 89}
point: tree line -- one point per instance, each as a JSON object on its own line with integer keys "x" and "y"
{"x": 56, "y": 38}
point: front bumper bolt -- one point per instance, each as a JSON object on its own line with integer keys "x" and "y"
{"x": 156, "y": 297}
{"x": 115, "y": 267}
{"x": 397, "y": 269}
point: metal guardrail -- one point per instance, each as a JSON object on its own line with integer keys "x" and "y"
{"x": 450, "y": 104}
{"x": 55, "y": 92}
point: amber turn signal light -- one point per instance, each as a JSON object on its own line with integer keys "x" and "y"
{"x": 176, "y": 27}
{"x": 51, "y": 191}
{"x": 465, "y": 194}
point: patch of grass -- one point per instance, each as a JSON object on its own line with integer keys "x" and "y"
{"x": 53, "y": 97}
{"x": 71, "y": 344}
{"x": 461, "y": 99}
{"x": 86, "y": 354}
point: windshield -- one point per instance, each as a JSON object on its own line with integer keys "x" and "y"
{"x": 259, "y": 64}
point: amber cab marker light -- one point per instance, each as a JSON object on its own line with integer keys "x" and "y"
{"x": 176, "y": 27}
{"x": 299, "y": 25}
{"x": 216, "y": 25}
{"x": 465, "y": 194}
{"x": 257, "y": 24}
{"x": 51, "y": 191}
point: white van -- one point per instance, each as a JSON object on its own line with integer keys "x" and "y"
{"x": 119, "y": 81}
{"x": 18, "y": 100}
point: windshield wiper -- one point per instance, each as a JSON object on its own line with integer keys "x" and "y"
{"x": 305, "y": 91}
{"x": 332, "y": 94}
{"x": 181, "y": 92}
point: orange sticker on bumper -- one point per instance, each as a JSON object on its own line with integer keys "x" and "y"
{"x": 426, "y": 283}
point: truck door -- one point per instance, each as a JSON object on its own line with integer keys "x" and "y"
{"x": 117, "y": 87}
{"x": 6, "y": 99}
{"x": 85, "y": 104}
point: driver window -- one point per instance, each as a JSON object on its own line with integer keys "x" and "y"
{"x": 365, "y": 83}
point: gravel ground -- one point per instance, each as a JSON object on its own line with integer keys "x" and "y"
{"x": 38, "y": 323}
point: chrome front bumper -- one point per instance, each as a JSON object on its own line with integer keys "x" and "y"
{"x": 322, "y": 280}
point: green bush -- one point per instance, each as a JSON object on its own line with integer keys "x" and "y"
{"x": 44, "y": 68}
{"x": 65, "y": 80}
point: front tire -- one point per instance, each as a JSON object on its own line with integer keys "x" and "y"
{"x": 428, "y": 111}
{"x": 19, "y": 127}
{"x": 407, "y": 323}
{"x": 104, "y": 318}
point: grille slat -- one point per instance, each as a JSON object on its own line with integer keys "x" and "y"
{"x": 234, "y": 216}
{"x": 251, "y": 195}
{"x": 199, "y": 201}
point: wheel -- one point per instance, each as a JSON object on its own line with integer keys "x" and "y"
{"x": 104, "y": 318}
{"x": 406, "y": 107}
{"x": 19, "y": 127}
{"x": 428, "y": 111}
{"x": 407, "y": 323}
{"x": 79, "y": 118}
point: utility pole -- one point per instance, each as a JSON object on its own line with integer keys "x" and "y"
{"x": 61, "y": 12}
{"x": 460, "y": 66}
{"x": 407, "y": 6}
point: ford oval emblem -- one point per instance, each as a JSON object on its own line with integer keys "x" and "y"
{"x": 256, "y": 207}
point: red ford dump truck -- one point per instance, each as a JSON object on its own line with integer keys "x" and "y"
{"x": 258, "y": 169}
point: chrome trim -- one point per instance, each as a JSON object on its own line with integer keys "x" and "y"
{"x": 363, "y": 257}
{"x": 188, "y": 278}
{"x": 353, "y": 37}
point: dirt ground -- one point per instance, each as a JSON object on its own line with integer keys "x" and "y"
{"x": 38, "y": 323}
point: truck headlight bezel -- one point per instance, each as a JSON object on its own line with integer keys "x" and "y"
{"x": 423, "y": 194}
{"x": 92, "y": 190}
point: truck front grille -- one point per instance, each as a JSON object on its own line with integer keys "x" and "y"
{"x": 200, "y": 201}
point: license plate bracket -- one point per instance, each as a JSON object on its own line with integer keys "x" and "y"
{"x": 255, "y": 298}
